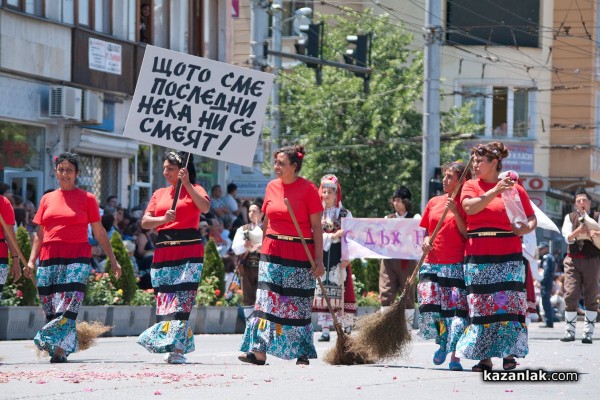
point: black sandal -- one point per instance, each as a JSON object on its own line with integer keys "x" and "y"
{"x": 509, "y": 363}
{"x": 58, "y": 359}
{"x": 302, "y": 360}
{"x": 250, "y": 358}
{"x": 480, "y": 367}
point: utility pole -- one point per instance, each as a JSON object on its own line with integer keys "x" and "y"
{"x": 258, "y": 32}
{"x": 431, "y": 96}
{"x": 275, "y": 117}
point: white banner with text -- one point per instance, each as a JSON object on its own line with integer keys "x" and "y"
{"x": 398, "y": 238}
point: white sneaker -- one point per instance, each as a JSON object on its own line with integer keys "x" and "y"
{"x": 176, "y": 358}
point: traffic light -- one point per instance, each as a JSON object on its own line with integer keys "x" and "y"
{"x": 312, "y": 46}
{"x": 360, "y": 54}
{"x": 436, "y": 187}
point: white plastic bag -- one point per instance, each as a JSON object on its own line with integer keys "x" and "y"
{"x": 512, "y": 201}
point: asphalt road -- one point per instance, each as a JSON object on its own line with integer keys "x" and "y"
{"x": 120, "y": 367}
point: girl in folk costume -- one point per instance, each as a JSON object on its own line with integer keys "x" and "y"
{"x": 337, "y": 278}
{"x": 443, "y": 313}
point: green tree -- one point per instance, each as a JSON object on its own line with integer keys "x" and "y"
{"x": 127, "y": 281}
{"x": 358, "y": 270}
{"x": 371, "y": 142}
{"x": 372, "y": 275}
{"x": 213, "y": 266}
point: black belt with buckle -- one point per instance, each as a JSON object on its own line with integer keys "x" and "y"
{"x": 288, "y": 238}
{"x": 489, "y": 233}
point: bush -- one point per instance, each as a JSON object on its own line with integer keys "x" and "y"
{"x": 213, "y": 267}
{"x": 100, "y": 291}
{"x": 143, "y": 298}
{"x": 208, "y": 295}
{"x": 358, "y": 270}
{"x": 372, "y": 275}
{"x": 127, "y": 282}
{"x": 368, "y": 299}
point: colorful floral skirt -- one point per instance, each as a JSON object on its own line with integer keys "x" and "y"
{"x": 281, "y": 323}
{"x": 497, "y": 303}
{"x": 175, "y": 273}
{"x": 442, "y": 300}
{"x": 61, "y": 279}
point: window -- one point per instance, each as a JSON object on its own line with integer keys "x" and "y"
{"x": 140, "y": 167}
{"x": 102, "y": 16}
{"x": 476, "y": 96}
{"x": 487, "y": 22}
{"x": 505, "y": 111}
{"x": 179, "y": 34}
{"x": 160, "y": 25}
{"x": 123, "y": 19}
{"x": 34, "y": 7}
{"x": 61, "y": 11}
{"x": 83, "y": 12}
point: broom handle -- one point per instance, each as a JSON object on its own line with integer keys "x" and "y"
{"x": 411, "y": 279}
{"x": 178, "y": 187}
{"x": 312, "y": 263}
{"x": 10, "y": 239}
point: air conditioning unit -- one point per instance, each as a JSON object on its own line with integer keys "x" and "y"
{"x": 93, "y": 107}
{"x": 65, "y": 102}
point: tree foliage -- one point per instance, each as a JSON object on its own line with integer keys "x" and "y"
{"x": 127, "y": 282}
{"x": 213, "y": 266}
{"x": 371, "y": 142}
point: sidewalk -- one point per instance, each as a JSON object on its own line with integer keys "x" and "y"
{"x": 120, "y": 367}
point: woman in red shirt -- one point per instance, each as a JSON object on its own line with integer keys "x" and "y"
{"x": 281, "y": 323}
{"x": 61, "y": 243}
{"x": 178, "y": 255}
{"x": 8, "y": 214}
{"x": 494, "y": 269}
{"x": 441, "y": 290}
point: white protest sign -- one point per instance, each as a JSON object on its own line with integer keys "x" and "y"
{"x": 398, "y": 238}
{"x": 198, "y": 105}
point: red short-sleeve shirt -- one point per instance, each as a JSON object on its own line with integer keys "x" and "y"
{"x": 304, "y": 198}
{"x": 187, "y": 214}
{"x": 494, "y": 215}
{"x": 65, "y": 215}
{"x": 449, "y": 243}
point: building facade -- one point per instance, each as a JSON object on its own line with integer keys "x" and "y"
{"x": 68, "y": 70}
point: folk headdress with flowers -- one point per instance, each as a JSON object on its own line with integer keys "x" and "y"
{"x": 330, "y": 181}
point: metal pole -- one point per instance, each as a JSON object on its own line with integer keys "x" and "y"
{"x": 275, "y": 119}
{"x": 258, "y": 32}
{"x": 431, "y": 96}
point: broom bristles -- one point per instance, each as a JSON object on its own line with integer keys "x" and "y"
{"x": 88, "y": 332}
{"x": 343, "y": 354}
{"x": 382, "y": 335}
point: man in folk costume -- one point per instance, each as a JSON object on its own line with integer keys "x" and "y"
{"x": 582, "y": 267}
{"x": 337, "y": 279}
{"x": 393, "y": 273}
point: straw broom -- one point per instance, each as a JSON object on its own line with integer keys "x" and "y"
{"x": 341, "y": 353}
{"x": 87, "y": 333}
{"x": 385, "y": 335}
